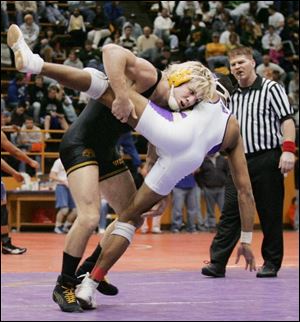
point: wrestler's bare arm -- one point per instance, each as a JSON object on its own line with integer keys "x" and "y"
{"x": 121, "y": 65}
{"x": 8, "y": 169}
{"x": 17, "y": 153}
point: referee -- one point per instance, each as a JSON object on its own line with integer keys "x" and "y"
{"x": 264, "y": 114}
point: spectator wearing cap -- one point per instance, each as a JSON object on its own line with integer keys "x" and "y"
{"x": 215, "y": 52}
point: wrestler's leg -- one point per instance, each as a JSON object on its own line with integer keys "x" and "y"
{"x": 117, "y": 190}
{"x": 83, "y": 184}
{"x": 71, "y": 77}
{"x": 117, "y": 243}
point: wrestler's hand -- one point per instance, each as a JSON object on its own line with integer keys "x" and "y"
{"x": 122, "y": 108}
{"x": 157, "y": 209}
{"x": 245, "y": 250}
{"x": 287, "y": 161}
{"x": 34, "y": 164}
{"x": 17, "y": 176}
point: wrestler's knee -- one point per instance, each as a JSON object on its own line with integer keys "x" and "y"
{"x": 88, "y": 220}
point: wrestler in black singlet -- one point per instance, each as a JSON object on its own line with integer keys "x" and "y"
{"x": 92, "y": 138}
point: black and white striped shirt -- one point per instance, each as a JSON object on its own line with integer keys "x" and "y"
{"x": 260, "y": 110}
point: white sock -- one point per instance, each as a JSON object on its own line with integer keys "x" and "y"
{"x": 33, "y": 63}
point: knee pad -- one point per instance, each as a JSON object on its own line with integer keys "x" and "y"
{"x": 124, "y": 229}
{"x": 99, "y": 83}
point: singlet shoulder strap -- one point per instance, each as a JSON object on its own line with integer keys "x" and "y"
{"x": 150, "y": 91}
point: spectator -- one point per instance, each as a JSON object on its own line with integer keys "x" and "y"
{"x": 64, "y": 202}
{"x": 146, "y": 41}
{"x": 136, "y": 27}
{"x": 192, "y": 8}
{"x": 4, "y": 16}
{"x": 211, "y": 178}
{"x": 37, "y": 92}
{"x": 30, "y": 139}
{"x": 276, "y": 19}
{"x": 164, "y": 59}
{"x": 215, "y": 52}
{"x": 77, "y": 29}
{"x": 152, "y": 54}
{"x": 163, "y": 26}
{"x": 196, "y": 41}
{"x": 73, "y": 60}
{"x": 53, "y": 14}
{"x": 17, "y": 91}
{"x": 268, "y": 64}
{"x": 23, "y": 8}
{"x": 30, "y": 31}
{"x": 271, "y": 40}
{"x": 88, "y": 53}
{"x": 126, "y": 40}
{"x": 114, "y": 14}
{"x": 19, "y": 114}
{"x": 184, "y": 193}
{"x": 52, "y": 112}
{"x": 86, "y": 8}
{"x": 100, "y": 28}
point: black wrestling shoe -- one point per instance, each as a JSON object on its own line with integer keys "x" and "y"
{"x": 213, "y": 270}
{"x": 267, "y": 271}
{"x": 104, "y": 286}
{"x": 9, "y": 248}
{"x": 64, "y": 294}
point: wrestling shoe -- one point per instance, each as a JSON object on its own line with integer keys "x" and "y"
{"x": 64, "y": 294}
{"x": 9, "y": 248}
{"x": 25, "y": 60}
{"x": 85, "y": 293}
{"x": 104, "y": 286}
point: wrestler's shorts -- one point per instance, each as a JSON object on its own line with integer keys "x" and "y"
{"x": 109, "y": 162}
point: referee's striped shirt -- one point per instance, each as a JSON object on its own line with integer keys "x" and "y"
{"x": 260, "y": 110}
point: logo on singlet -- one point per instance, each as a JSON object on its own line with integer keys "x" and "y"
{"x": 118, "y": 162}
{"x": 89, "y": 153}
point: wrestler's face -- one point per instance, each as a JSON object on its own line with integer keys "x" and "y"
{"x": 184, "y": 96}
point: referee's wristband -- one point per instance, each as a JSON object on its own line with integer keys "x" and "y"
{"x": 289, "y": 146}
{"x": 246, "y": 237}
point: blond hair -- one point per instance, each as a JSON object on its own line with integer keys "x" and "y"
{"x": 202, "y": 81}
{"x": 240, "y": 51}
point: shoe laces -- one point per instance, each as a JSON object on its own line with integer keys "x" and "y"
{"x": 69, "y": 294}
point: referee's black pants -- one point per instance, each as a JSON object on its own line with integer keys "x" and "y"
{"x": 268, "y": 189}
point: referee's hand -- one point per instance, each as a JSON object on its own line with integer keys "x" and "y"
{"x": 287, "y": 162}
